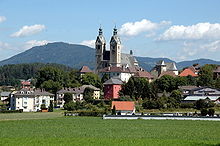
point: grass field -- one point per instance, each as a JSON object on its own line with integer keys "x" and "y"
{"x": 55, "y": 129}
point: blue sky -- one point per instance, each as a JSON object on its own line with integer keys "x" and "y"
{"x": 180, "y": 30}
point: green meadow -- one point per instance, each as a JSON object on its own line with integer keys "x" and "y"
{"x": 55, "y": 129}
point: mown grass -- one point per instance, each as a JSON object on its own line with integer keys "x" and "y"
{"x": 95, "y": 131}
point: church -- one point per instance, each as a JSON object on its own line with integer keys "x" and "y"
{"x": 112, "y": 57}
{"x": 115, "y": 63}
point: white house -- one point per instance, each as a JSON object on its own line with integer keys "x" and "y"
{"x": 124, "y": 73}
{"x": 77, "y": 94}
{"x": 30, "y": 100}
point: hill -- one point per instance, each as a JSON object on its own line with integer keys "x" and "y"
{"x": 71, "y": 55}
{"x": 75, "y": 56}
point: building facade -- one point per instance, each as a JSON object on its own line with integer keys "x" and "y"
{"x": 30, "y": 100}
{"x": 112, "y": 88}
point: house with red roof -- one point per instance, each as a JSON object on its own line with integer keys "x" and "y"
{"x": 124, "y": 107}
{"x": 187, "y": 72}
{"x": 112, "y": 88}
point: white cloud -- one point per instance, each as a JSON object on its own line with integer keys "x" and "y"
{"x": 213, "y": 46}
{"x": 4, "y": 46}
{"x": 32, "y": 43}
{"x": 194, "y": 32}
{"x": 135, "y": 28}
{"x": 29, "y": 30}
{"x": 2, "y": 18}
{"x": 90, "y": 43}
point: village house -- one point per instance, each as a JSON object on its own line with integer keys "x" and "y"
{"x": 144, "y": 74}
{"x": 4, "y": 97}
{"x": 77, "y": 94}
{"x": 84, "y": 70}
{"x": 124, "y": 107}
{"x": 194, "y": 93}
{"x": 216, "y": 72}
{"x": 30, "y": 100}
{"x": 112, "y": 88}
{"x": 163, "y": 68}
{"x": 187, "y": 72}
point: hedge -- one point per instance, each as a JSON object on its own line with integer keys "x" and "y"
{"x": 11, "y": 111}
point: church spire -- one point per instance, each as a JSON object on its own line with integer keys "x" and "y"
{"x": 115, "y": 31}
{"x": 100, "y": 30}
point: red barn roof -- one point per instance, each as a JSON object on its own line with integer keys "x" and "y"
{"x": 123, "y": 105}
{"x": 187, "y": 72}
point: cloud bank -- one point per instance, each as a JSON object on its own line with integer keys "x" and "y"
{"x": 192, "y": 32}
{"x": 90, "y": 43}
{"x": 29, "y": 30}
{"x": 135, "y": 28}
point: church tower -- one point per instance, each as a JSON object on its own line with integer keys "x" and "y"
{"x": 115, "y": 50}
{"x": 100, "y": 45}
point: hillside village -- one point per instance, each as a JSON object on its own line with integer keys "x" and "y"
{"x": 118, "y": 85}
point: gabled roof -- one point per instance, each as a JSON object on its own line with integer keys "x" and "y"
{"x": 5, "y": 94}
{"x": 170, "y": 73}
{"x": 189, "y": 87}
{"x": 143, "y": 74}
{"x": 85, "y": 69}
{"x": 123, "y": 105}
{"x": 193, "y": 98}
{"x": 187, "y": 72}
{"x": 113, "y": 81}
{"x": 33, "y": 92}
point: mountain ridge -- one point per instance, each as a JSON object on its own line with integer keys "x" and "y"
{"x": 75, "y": 55}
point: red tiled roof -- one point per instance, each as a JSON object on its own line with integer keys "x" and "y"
{"x": 187, "y": 72}
{"x": 123, "y": 105}
{"x": 85, "y": 69}
{"x": 114, "y": 69}
{"x": 143, "y": 74}
{"x": 170, "y": 73}
{"x": 26, "y": 83}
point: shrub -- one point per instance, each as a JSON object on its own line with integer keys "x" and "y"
{"x": 211, "y": 112}
{"x": 187, "y": 105}
{"x": 204, "y": 112}
{"x": 51, "y": 106}
{"x": 12, "y": 111}
{"x": 43, "y": 106}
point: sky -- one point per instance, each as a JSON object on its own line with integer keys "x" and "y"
{"x": 176, "y": 29}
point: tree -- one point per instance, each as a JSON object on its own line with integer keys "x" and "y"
{"x": 68, "y": 97}
{"x": 114, "y": 110}
{"x": 49, "y": 73}
{"x": 105, "y": 77}
{"x": 51, "y": 106}
{"x": 88, "y": 94}
{"x": 166, "y": 83}
{"x": 206, "y": 75}
{"x": 203, "y": 103}
{"x": 217, "y": 83}
{"x": 51, "y": 86}
{"x": 91, "y": 79}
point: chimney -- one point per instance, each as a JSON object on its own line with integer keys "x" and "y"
{"x": 131, "y": 52}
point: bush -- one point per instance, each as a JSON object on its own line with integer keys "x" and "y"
{"x": 51, "y": 106}
{"x": 43, "y": 106}
{"x": 97, "y": 113}
{"x": 211, "y": 112}
{"x": 204, "y": 112}
{"x": 12, "y": 111}
{"x": 187, "y": 105}
{"x": 203, "y": 103}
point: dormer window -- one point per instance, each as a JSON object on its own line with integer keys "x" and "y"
{"x": 22, "y": 92}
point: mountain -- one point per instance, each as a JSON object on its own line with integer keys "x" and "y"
{"x": 183, "y": 64}
{"x": 74, "y": 55}
{"x": 61, "y": 53}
